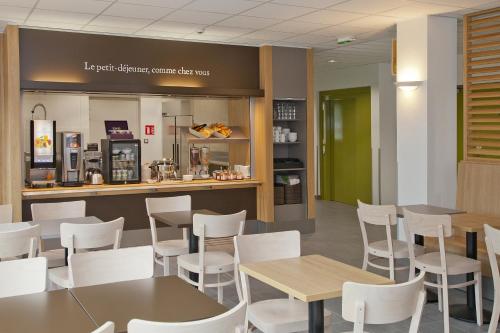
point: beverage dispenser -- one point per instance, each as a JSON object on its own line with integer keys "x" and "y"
{"x": 71, "y": 159}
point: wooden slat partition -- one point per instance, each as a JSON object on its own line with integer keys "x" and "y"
{"x": 482, "y": 85}
{"x": 10, "y": 121}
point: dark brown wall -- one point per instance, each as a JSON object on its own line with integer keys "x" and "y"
{"x": 133, "y": 206}
{"x": 55, "y": 60}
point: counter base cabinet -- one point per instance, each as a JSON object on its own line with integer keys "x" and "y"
{"x": 133, "y": 206}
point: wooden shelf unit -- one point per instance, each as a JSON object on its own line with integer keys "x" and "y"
{"x": 237, "y": 136}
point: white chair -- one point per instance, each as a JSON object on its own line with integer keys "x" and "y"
{"x": 441, "y": 263}
{"x": 23, "y": 276}
{"x": 212, "y": 262}
{"x": 108, "y": 266}
{"x": 19, "y": 242}
{"x": 493, "y": 246}
{"x": 281, "y": 315}
{"x": 107, "y": 327}
{"x": 228, "y": 322}
{"x": 6, "y": 213}
{"x": 76, "y": 237}
{"x": 375, "y": 304}
{"x": 389, "y": 248}
{"x": 173, "y": 247}
{"x": 55, "y": 211}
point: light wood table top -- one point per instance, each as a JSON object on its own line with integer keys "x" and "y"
{"x": 428, "y": 209}
{"x": 47, "y": 312}
{"x": 471, "y": 222}
{"x": 310, "y": 278}
{"x": 180, "y": 219}
{"x": 167, "y": 299}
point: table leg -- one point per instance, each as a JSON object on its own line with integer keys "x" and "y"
{"x": 431, "y": 295}
{"x": 193, "y": 248}
{"x": 316, "y": 317}
{"x": 467, "y": 312}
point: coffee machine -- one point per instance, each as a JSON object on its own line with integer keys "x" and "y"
{"x": 71, "y": 159}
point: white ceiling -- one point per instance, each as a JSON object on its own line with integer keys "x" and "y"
{"x": 297, "y": 23}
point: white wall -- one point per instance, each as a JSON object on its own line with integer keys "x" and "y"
{"x": 70, "y": 111}
{"x": 426, "y": 117}
{"x": 112, "y": 108}
{"x": 383, "y": 134}
{"x": 151, "y": 114}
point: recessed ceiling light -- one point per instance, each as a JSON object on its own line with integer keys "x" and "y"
{"x": 331, "y": 61}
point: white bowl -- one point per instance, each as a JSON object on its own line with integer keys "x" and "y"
{"x": 115, "y": 151}
{"x": 187, "y": 178}
{"x": 126, "y": 150}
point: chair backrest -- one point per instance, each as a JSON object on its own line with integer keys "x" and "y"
{"x": 228, "y": 322}
{"x": 107, "y": 327}
{"x": 219, "y": 225}
{"x": 377, "y": 214}
{"x": 108, "y": 266}
{"x": 492, "y": 240}
{"x": 23, "y": 276}
{"x": 6, "y": 213}
{"x": 427, "y": 225}
{"x": 383, "y": 304}
{"x": 163, "y": 205}
{"x": 267, "y": 246}
{"x": 20, "y": 242}
{"x": 57, "y": 210}
{"x": 263, "y": 247}
{"x": 92, "y": 235}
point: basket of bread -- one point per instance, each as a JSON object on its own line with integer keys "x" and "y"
{"x": 201, "y": 131}
{"x": 221, "y": 130}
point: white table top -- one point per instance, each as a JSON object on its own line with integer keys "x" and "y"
{"x": 49, "y": 228}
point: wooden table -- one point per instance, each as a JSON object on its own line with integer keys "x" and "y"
{"x": 47, "y": 312}
{"x": 311, "y": 279}
{"x": 50, "y": 229}
{"x": 427, "y": 209}
{"x": 184, "y": 219}
{"x": 471, "y": 224}
{"x": 167, "y": 299}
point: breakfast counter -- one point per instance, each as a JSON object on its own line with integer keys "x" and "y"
{"x": 109, "y": 202}
{"x": 106, "y": 189}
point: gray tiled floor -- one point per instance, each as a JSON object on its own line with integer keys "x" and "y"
{"x": 338, "y": 236}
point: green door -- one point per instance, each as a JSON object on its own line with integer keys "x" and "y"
{"x": 345, "y": 154}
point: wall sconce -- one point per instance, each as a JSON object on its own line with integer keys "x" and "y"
{"x": 409, "y": 85}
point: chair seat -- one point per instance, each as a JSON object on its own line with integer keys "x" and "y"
{"x": 55, "y": 258}
{"x": 172, "y": 247}
{"x": 431, "y": 262}
{"x": 282, "y": 315}
{"x": 60, "y": 276}
{"x": 215, "y": 262}
{"x": 400, "y": 249}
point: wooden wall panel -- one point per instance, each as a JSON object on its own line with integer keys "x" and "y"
{"x": 478, "y": 189}
{"x": 10, "y": 122}
{"x": 263, "y": 141}
{"x": 482, "y": 85}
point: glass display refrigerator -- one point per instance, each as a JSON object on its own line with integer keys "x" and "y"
{"x": 121, "y": 161}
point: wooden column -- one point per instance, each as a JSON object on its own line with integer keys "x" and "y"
{"x": 10, "y": 121}
{"x": 263, "y": 141}
{"x": 311, "y": 207}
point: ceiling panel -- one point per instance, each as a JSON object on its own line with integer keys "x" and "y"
{"x": 120, "y": 22}
{"x": 60, "y": 17}
{"x": 319, "y": 4}
{"x": 53, "y": 25}
{"x": 175, "y": 27}
{"x": 191, "y": 16}
{"x": 137, "y": 11}
{"x": 275, "y": 11}
{"x": 249, "y": 22}
{"x": 416, "y": 9}
{"x": 18, "y": 3}
{"x": 298, "y": 26}
{"x": 369, "y": 7}
{"x": 159, "y": 3}
{"x": 109, "y": 30}
{"x": 329, "y": 17}
{"x": 269, "y": 35}
{"x": 222, "y": 6}
{"x": 14, "y": 14}
{"x": 76, "y": 6}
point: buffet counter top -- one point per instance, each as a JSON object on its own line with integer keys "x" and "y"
{"x": 105, "y": 189}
